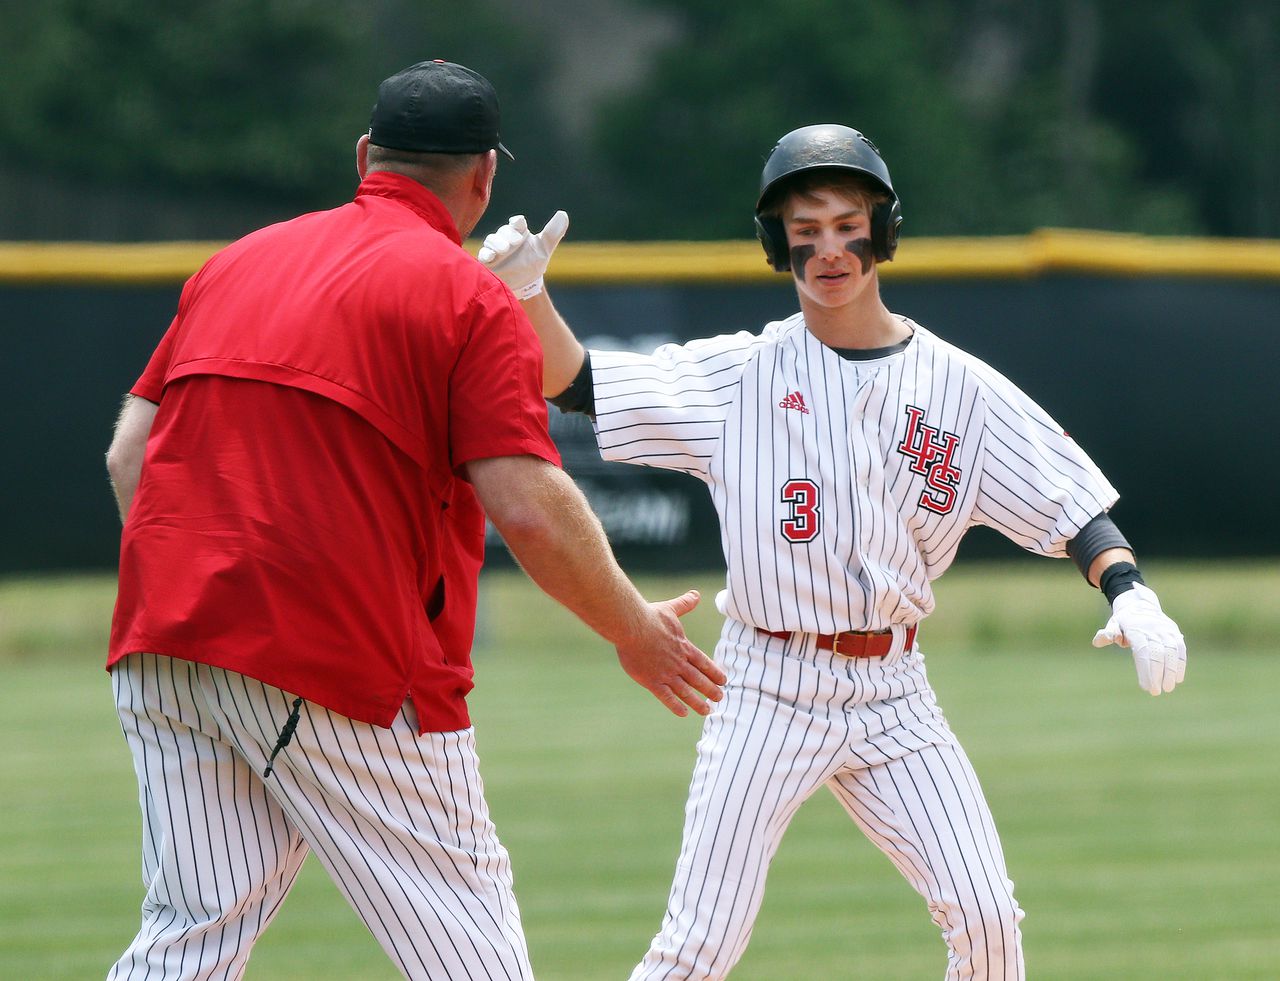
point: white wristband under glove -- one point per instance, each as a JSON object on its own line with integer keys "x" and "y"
{"x": 518, "y": 257}
{"x": 1159, "y": 650}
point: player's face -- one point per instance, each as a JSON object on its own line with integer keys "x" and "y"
{"x": 829, "y": 237}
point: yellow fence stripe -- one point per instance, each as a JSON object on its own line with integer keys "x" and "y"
{"x": 586, "y": 263}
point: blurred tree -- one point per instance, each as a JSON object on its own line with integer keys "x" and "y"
{"x": 1032, "y": 78}
{"x": 134, "y": 119}
{"x": 996, "y": 116}
{"x": 208, "y": 92}
{"x": 123, "y": 119}
{"x": 684, "y": 151}
{"x": 1196, "y": 84}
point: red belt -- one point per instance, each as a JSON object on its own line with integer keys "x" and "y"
{"x": 854, "y": 643}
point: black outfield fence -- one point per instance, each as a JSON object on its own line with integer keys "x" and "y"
{"x": 1158, "y": 355}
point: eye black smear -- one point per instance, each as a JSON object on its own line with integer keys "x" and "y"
{"x": 800, "y": 256}
{"x": 861, "y": 247}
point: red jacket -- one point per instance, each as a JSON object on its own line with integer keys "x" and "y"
{"x": 300, "y": 518}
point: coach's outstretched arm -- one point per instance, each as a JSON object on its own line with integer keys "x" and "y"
{"x": 558, "y": 541}
{"x": 519, "y": 258}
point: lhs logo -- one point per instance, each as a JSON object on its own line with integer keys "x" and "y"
{"x": 794, "y": 401}
{"x": 932, "y": 458}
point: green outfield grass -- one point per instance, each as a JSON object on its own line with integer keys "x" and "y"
{"x": 1143, "y": 834}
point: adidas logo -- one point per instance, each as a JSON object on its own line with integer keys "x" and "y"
{"x": 794, "y": 401}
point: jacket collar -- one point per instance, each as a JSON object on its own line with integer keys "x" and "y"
{"x": 413, "y": 196}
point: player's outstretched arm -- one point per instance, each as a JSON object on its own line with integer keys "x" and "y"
{"x": 558, "y": 541}
{"x": 1138, "y": 623}
{"x": 519, "y": 258}
{"x": 562, "y": 354}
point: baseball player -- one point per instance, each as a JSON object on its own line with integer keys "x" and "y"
{"x": 300, "y": 471}
{"x": 847, "y": 450}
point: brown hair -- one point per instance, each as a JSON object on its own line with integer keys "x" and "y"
{"x": 848, "y": 184}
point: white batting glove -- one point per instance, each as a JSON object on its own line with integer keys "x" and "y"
{"x": 1159, "y": 650}
{"x": 518, "y": 257}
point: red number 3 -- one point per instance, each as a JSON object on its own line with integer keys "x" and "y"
{"x": 806, "y": 516}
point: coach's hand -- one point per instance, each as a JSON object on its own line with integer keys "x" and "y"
{"x": 661, "y": 658}
{"x": 1159, "y": 650}
{"x": 518, "y": 257}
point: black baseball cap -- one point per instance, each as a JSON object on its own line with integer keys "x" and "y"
{"x": 436, "y": 107}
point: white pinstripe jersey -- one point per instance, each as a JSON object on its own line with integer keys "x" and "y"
{"x": 844, "y": 487}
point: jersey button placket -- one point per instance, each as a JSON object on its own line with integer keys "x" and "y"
{"x": 866, "y": 452}
{"x": 862, "y": 440}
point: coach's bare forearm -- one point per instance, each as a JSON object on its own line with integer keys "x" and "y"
{"x": 128, "y": 447}
{"x": 561, "y": 353}
{"x": 560, "y": 544}
{"x": 558, "y": 541}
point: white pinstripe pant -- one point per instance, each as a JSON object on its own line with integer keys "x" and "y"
{"x": 398, "y": 820}
{"x": 794, "y": 719}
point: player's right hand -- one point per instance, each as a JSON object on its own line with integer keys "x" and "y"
{"x": 662, "y": 659}
{"x": 1158, "y": 647}
{"x": 518, "y": 257}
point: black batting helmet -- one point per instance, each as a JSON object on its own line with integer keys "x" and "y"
{"x": 827, "y": 146}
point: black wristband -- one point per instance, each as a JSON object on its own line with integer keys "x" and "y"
{"x": 580, "y": 396}
{"x": 1092, "y": 540}
{"x": 1117, "y": 578}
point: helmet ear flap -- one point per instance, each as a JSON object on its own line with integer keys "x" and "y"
{"x": 773, "y": 237}
{"x": 886, "y": 223}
